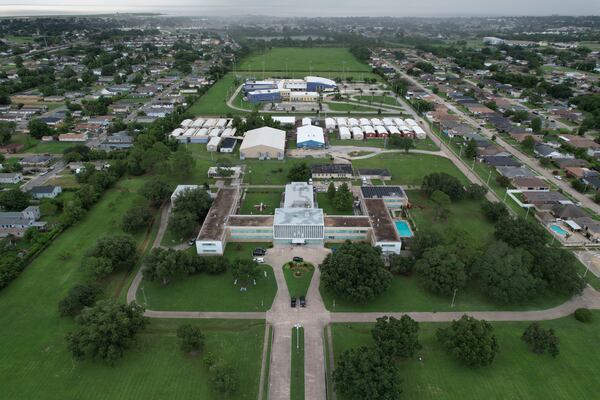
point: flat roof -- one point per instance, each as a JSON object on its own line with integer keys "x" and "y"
{"x": 384, "y": 229}
{"x": 377, "y": 192}
{"x": 331, "y": 168}
{"x": 213, "y": 227}
{"x": 298, "y": 216}
{"x": 347, "y": 221}
{"x": 299, "y": 195}
{"x": 250, "y": 220}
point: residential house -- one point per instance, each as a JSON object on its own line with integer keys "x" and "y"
{"x": 11, "y": 177}
{"x": 16, "y": 223}
{"x": 45, "y": 192}
{"x": 544, "y": 151}
{"x": 529, "y": 183}
{"x": 500, "y": 161}
{"x": 37, "y": 160}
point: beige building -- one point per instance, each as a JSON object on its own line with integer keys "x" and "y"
{"x": 263, "y": 143}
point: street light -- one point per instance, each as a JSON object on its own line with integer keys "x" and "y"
{"x": 297, "y": 326}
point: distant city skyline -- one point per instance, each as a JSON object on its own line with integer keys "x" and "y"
{"x": 306, "y": 8}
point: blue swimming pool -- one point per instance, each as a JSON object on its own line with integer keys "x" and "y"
{"x": 558, "y": 230}
{"x": 403, "y": 229}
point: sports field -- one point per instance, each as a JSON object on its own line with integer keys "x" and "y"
{"x": 516, "y": 373}
{"x": 317, "y": 59}
{"x": 35, "y": 364}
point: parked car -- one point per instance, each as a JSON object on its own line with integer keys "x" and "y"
{"x": 259, "y": 260}
{"x": 302, "y": 301}
{"x": 298, "y": 259}
{"x": 257, "y": 252}
{"x": 293, "y": 302}
{"x": 192, "y": 242}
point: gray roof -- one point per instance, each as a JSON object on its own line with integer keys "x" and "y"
{"x": 377, "y": 192}
{"x": 331, "y": 169}
{"x": 514, "y": 172}
{"x": 43, "y": 189}
{"x": 299, "y": 195}
{"x": 298, "y": 216}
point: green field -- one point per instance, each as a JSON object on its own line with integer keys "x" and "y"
{"x": 270, "y": 199}
{"x": 297, "y": 375}
{"x": 205, "y": 292}
{"x": 298, "y": 278}
{"x": 34, "y": 362}
{"x": 328, "y": 207}
{"x": 385, "y": 100}
{"x": 517, "y": 373}
{"x": 316, "y": 59}
{"x": 410, "y": 169}
{"x": 351, "y": 107}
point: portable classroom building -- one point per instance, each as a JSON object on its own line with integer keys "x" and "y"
{"x": 197, "y": 123}
{"x": 357, "y": 133}
{"x": 345, "y": 133}
{"x": 306, "y": 121}
{"x": 215, "y": 132}
{"x": 199, "y": 138}
{"x": 411, "y": 122}
{"x": 381, "y": 131}
{"x": 210, "y": 123}
{"x": 399, "y": 122}
{"x": 388, "y": 122}
{"x": 186, "y": 123}
{"x": 392, "y": 130}
{"x": 229, "y": 132}
{"x": 213, "y": 144}
{"x": 221, "y": 123}
{"x": 376, "y": 122}
{"x": 329, "y": 124}
{"x": 341, "y": 121}
{"x": 352, "y": 122}
{"x": 364, "y": 122}
{"x": 419, "y": 132}
{"x": 177, "y": 132}
{"x": 369, "y": 131}
{"x": 227, "y": 144}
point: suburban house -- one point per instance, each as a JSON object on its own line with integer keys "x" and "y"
{"x": 45, "y": 192}
{"x": 16, "y": 223}
{"x": 529, "y": 183}
{"x": 37, "y": 160}
{"x": 73, "y": 137}
{"x": 545, "y": 151}
{"x": 11, "y": 177}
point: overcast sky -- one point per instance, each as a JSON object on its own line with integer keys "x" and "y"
{"x": 307, "y": 7}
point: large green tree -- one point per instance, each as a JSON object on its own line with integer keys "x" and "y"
{"x": 161, "y": 265}
{"x": 367, "y": 373}
{"x": 470, "y": 340}
{"x": 156, "y": 191}
{"x": 445, "y": 183}
{"x": 441, "y": 270}
{"x": 245, "y": 272}
{"x": 299, "y": 172}
{"x": 191, "y": 338}
{"x": 105, "y": 330}
{"x": 541, "y": 340}
{"x": 355, "y": 272}
{"x": 397, "y": 337}
{"x": 14, "y": 200}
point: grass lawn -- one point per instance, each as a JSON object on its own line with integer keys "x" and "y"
{"x": 516, "y": 373}
{"x": 297, "y": 378}
{"x": 328, "y": 207}
{"x": 34, "y": 362}
{"x": 410, "y": 169}
{"x": 50, "y": 147}
{"x": 67, "y": 181}
{"x": 265, "y": 395}
{"x": 270, "y": 199}
{"x": 214, "y": 102}
{"x": 379, "y": 100}
{"x": 205, "y": 292}
{"x": 298, "y": 284}
{"x": 305, "y": 59}
{"x": 274, "y": 172}
{"x": 350, "y": 107}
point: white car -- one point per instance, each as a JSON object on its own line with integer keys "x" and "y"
{"x": 258, "y": 260}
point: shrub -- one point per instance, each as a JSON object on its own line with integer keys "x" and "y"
{"x": 583, "y": 315}
{"x": 79, "y": 297}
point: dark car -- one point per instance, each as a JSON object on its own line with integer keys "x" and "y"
{"x": 293, "y": 302}
{"x": 302, "y": 301}
{"x": 298, "y": 259}
{"x": 258, "y": 252}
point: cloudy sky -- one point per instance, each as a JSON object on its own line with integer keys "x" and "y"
{"x": 307, "y": 7}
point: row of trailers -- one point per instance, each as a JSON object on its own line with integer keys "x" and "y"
{"x": 212, "y": 132}
{"x": 358, "y": 129}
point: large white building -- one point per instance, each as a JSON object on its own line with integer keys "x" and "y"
{"x": 263, "y": 143}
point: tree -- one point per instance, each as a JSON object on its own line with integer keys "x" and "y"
{"x": 503, "y": 181}
{"x": 536, "y": 126}
{"x": 441, "y": 270}
{"x": 78, "y": 297}
{"x": 161, "y": 265}
{"x": 424, "y": 240}
{"x": 331, "y": 191}
{"x": 7, "y": 129}
{"x": 355, "y": 272}
{"x": 120, "y": 250}
{"x": 299, "y": 173}
{"x": 401, "y": 265}
{"x": 224, "y": 379}
{"x": 191, "y": 338}
{"x": 136, "y": 218}
{"x": 541, "y": 340}
{"x": 366, "y": 373}
{"x": 37, "y": 128}
{"x": 397, "y": 337}
{"x": 529, "y": 142}
{"x": 14, "y": 200}
{"x": 470, "y": 340}
{"x": 442, "y": 202}
{"x": 471, "y": 149}
{"x": 182, "y": 163}
{"x": 245, "y": 272}
{"x": 156, "y": 191}
{"x": 343, "y": 200}
{"x": 97, "y": 266}
{"x": 558, "y": 268}
{"x": 494, "y": 211}
{"x": 505, "y": 274}
{"x": 399, "y": 142}
{"x": 445, "y": 183}
{"x": 476, "y": 192}
{"x": 105, "y": 331}
{"x": 196, "y": 201}
{"x": 183, "y": 223}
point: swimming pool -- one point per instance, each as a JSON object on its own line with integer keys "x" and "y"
{"x": 403, "y": 228}
{"x": 558, "y": 230}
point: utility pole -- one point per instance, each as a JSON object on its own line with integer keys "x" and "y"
{"x": 453, "y": 298}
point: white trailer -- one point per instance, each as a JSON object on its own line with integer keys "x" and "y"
{"x": 376, "y": 122}
{"x": 392, "y": 130}
{"x": 364, "y": 122}
{"x": 357, "y": 133}
{"x": 186, "y": 123}
{"x": 306, "y": 121}
{"x": 352, "y": 122}
{"x": 341, "y": 121}
{"x": 345, "y": 133}
{"x": 213, "y": 144}
{"x": 330, "y": 124}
